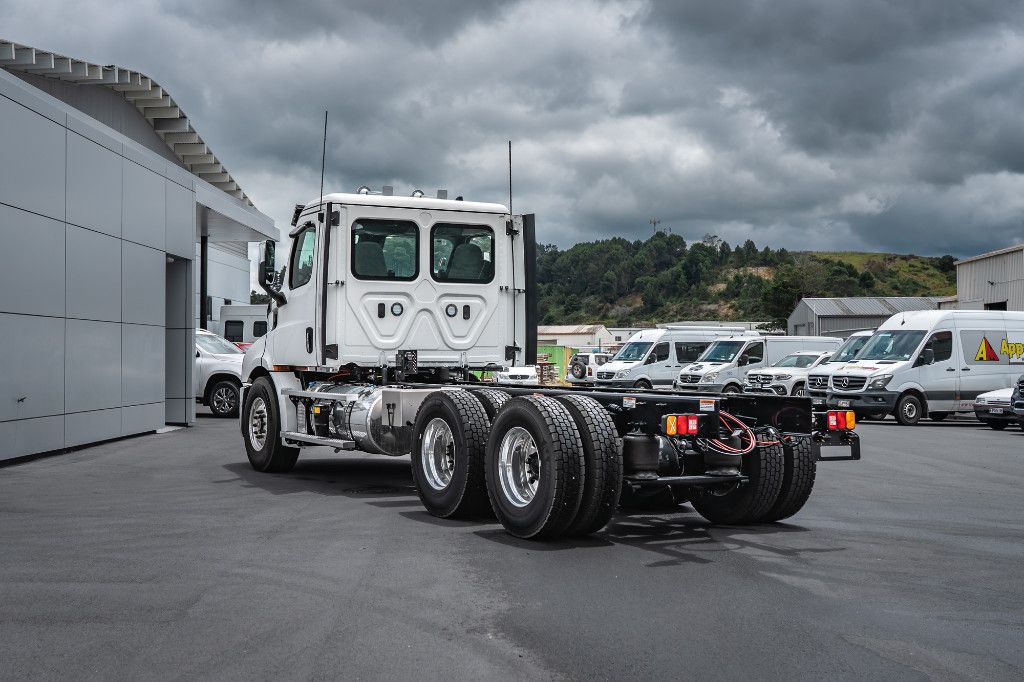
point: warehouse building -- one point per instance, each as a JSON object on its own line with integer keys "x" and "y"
{"x": 843, "y": 316}
{"x": 581, "y": 336}
{"x": 106, "y": 190}
{"x": 991, "y": 281}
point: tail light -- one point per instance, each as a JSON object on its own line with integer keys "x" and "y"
{"x": 680, "y": 424}
{"x": 590, "y": 371}
{"x": 842, "y": 420}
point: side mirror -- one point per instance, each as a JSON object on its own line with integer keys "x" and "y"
{"x": 927, "y": 357}
{"x": 743, "y": 359}
{"x": 651, "y": 359}
{"x": 267, "y": 269}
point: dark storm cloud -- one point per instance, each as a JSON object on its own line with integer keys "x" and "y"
{"x": 866, "y": 125}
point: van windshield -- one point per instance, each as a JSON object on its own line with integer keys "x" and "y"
{"x": 796, "y": 361}
{"x": 634, "y": 350}
{"x": 721, "y": 351}
{"x": 848, "y": 351}
{"x": 892, "y": 345}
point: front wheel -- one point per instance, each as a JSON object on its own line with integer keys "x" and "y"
{"x": 908, "y": 410}
{"x": 799, "y": 391}
{"x": 261, "y": 430}
{"x": 223, "y": 398}
{"x": 731, "y": 388}
{"x": 937, "y": 416}
{"x": 643, "y": 384}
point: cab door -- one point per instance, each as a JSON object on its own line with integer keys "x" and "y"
{"x": 940, "y": 378}
{"x": 295, "y": 335}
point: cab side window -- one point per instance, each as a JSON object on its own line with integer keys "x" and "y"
{"x": 941, "y": 344}
{"x": 755, "y": 353}
{"x": 300, "y": 270}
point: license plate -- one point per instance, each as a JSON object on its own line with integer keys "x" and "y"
{"x": 844, "y": 403}
{"x": 996, "y": 410}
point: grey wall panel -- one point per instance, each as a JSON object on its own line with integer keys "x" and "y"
{"x": 142, "y": 418}
{"x": 178, "y": 295}
{"x": 31, "y": 436}
{"x": 142, "y": 364}
{"x": 33, "y": 367}
{"x": 143, "y": 214}
{"x": 89, "y": 427}
{"x": 94, "y": 186}
{"x": 32, "y": 274}
{"x": 181, "y": 220}
{"x": 12, "y": 85}
{"x": 32, "y": 172}
{"x": 177, "y": 411}
{"x": 180, "y": 361}
{"x": 93, "y": 275}
{"x": 97, "y": 132}
{"x": 144, "y": 276}
{"x": 93, "y": 366}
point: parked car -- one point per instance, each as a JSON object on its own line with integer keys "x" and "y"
{"x": 582, "y": 367}
{"x": 218, "y": 373}
{"x": 788, "y": 376}
{"x": 526, "y": 376}
{"x": 994, "y": 408}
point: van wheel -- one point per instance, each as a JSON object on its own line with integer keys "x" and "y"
{"x": 731, "y": 388}
{"x": 261, "y": 431}
{"x": 535, "y": 467}
{"x": 448, "y": 456}
{"x": 643, "y": 384}
{"x": 602, "y": 476}
{"x": 908, "y": 410}
{"x": 873, "y": 416}
{"x": 996, "y": 425}
{"x": 937, "y": 416}
{"x": 799, "y": 391}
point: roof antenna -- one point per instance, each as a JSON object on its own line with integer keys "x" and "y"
{"x": 323, "y": 163}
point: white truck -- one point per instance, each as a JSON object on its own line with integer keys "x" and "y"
{"x": 389, "y": 304}
{"x": 724, "y": 366}
{"x": 818, "y": 379}
{"x": 931, "y": 362}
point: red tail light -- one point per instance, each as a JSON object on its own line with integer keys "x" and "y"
{"x": 680, "y": 424}
{"x": 841, "y": 420}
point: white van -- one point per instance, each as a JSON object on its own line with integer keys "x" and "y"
{"x": 931, "y": 362}
{"x": 243, "y": 323}
{"x": 652, "y": 357}
{"x": 724, "y": 365}
{"x": 817, "y": 379}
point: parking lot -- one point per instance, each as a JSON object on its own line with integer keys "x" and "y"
{"x": 168, "y": 556}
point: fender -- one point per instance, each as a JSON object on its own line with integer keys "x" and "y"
{"x": 910, "y": 386}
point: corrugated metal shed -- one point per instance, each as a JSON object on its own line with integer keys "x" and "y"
{"x": 569, "y": 329}
{"x": 870, "y": 305}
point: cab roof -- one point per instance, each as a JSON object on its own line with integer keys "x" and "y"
{"x": 392, "y": 201}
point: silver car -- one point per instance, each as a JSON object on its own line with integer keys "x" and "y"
{"x": 218, "y": 373}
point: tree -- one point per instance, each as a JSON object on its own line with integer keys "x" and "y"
{"x": 256, "y": 297}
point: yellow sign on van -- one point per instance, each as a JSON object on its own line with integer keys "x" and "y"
{"x": 986, "y": 353}
{"x": 1012, "y": 348}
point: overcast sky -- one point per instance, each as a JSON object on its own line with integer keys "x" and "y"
{"x": 865, "y": 124}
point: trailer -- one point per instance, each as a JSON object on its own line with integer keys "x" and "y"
{"x": 391, "y": 303}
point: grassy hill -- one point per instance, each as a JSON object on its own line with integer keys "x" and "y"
{"x": 663, "y": 279}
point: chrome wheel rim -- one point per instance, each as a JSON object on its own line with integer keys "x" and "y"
{"x": 258, "y": 419}
{"x": 518, "y": 466}
{"x": 438, "y": 454}
{"x": 223, "y": 400}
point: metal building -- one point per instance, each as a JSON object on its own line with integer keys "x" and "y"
{"x": 843, "y": 316}
{"x": 991, "y": 281}
{"x": 105, "y": 191}
{"x": 575, "y": 336}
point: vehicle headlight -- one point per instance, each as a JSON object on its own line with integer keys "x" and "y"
{"x": 980, "y": 401}
{"x": 783, "y": 377}
{"x": 880, "y": 382}
{"x": 622, "y": 374}
{"x": 709, "y": 377}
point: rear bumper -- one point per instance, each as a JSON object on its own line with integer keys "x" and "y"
{"x": 866, "y": 401}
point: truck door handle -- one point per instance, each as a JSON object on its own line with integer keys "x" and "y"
{"x": 309, "y": 339}
{"x": 965, "y": 369}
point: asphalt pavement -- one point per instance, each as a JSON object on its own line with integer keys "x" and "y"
{"x": 167, "y": 556}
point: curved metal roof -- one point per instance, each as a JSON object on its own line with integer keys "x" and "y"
{"x": 869, "y": 306}
{"x": 154, "y": 103}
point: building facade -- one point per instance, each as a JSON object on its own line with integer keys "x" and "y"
{"x": 991, "y": 281}
{"x": 579, "y": 336}
{"x": 101, "y": 207}
{"x": 844, "y": 316}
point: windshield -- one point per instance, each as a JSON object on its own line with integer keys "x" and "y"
{"x": 891, "y": 345}
{"x": 217, "y": 345}
{"x": 848, "y": 351}
{"x": 634, "y": 350}
{"x": 796, "y": 361}
{"x": 721, "y": 351}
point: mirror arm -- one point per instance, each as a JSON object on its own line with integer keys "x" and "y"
{"x": 278, "y": 296}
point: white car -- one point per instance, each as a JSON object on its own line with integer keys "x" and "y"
{"x": 994, "y": 408}
{"x": 525, "y": 376}
{"x": 218, "y": 373}
{"x": 788, "y": 376}
{"x": 582, "y": 367}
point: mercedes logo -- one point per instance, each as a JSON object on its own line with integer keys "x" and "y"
{"x": 846, "y": 382}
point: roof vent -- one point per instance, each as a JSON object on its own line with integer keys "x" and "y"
{"x": 442, "y": 194}
{"x": 417, "y": 194}
{"x": 363, "y": 190}
{"x": 388, "y": 191}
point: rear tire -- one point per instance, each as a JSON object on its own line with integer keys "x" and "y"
{"x": 746, "y": 502}
{"x": 448, "y": 455}
{"x": 491, "y": 399}
{"x": 874, "y": 416}
{"x": 261, "y": 430}
{"x": 937, "y": 416}
{"x": 602, "y": 477}
{"x": 535, "y": 467}
{"x": 801, "y": 465}
{"x": 908, "y": 410}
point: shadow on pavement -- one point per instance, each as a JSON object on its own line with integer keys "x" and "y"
{"x": 346, "y": 477}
